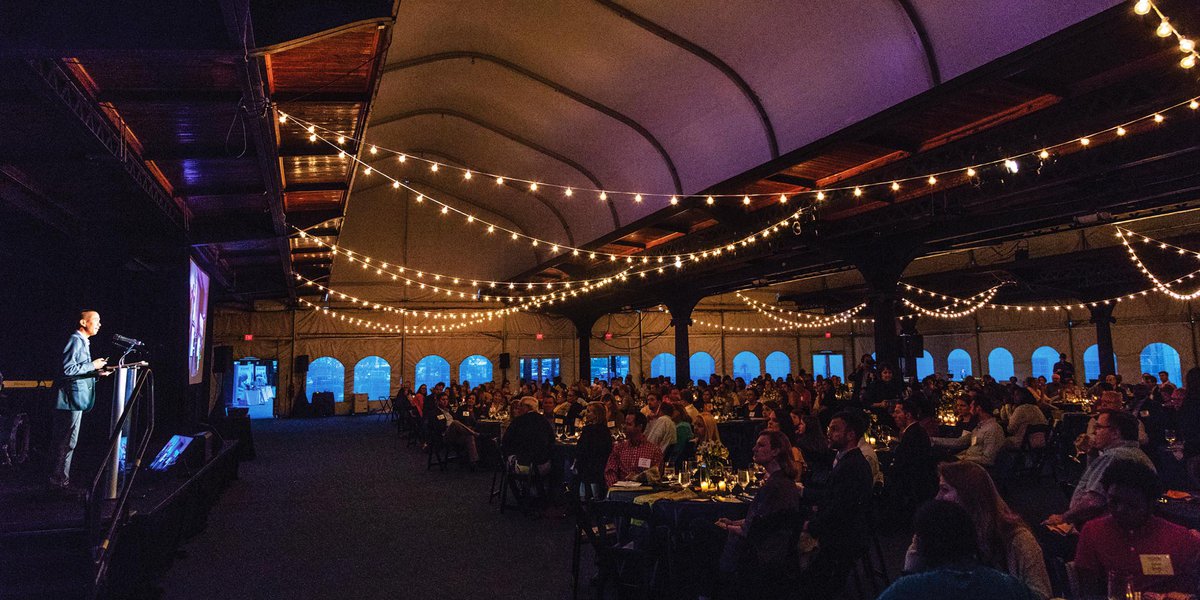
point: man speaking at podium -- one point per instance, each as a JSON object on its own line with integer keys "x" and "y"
{"x": 75, "y": 393}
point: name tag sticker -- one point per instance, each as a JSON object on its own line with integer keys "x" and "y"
{"x": 558, "y": 420}
{"x": 612, "y": 424}
{"x": 1156, "y": 564}
{"x": 441, "y": 417}
{"x": 644, "y": 463}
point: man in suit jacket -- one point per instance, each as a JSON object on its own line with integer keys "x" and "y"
{"x": 839, "y": 524}
{"x": 75, "y": 393}
{"x": 914, "y": 470}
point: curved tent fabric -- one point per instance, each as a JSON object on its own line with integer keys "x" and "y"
{"x": 589, "y": 94}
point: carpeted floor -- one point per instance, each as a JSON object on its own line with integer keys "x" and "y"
{"x": 340, "y": 508}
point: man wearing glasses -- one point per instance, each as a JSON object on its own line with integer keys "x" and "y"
{"x": 1116, "y": 439}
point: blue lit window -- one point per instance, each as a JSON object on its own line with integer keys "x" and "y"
{"x": 663, "y": 365}
{"x": 1000, "y": 364}
{"x": 475, "y": 369}
{"x": 746, "y": 366}
{"x": 372, "y": 376}
{"x": 778, "y": 365}
{"x": 702, "y": 366}
{"x": 1043, "y": 360}
{"x": 1161, "y": 357}
{"x": 1091, "y": 363}
{"x": 431, "y": 371}
{"x": 959, "y": 363}
{"x": 326, "y": 374}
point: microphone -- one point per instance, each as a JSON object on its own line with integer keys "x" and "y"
{"x": 128, "y": 341}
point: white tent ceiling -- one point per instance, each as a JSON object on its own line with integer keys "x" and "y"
{"x": 642, "y": 96}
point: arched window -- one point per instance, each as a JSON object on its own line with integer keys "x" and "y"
{"x": 1000, "y": 364}
{"x": 663, "y": 365}
{"x": 475, "y": 369}
{"x": 1091, "y": 363}
{"x": 702, "y": 366}
{"x": 959, "y": 363}
{"x": 1158, "y": 357}
{"x": 746, "y": 366}
{"x": 372, "y": 376}
{"x": 1043, "y": 360}
{"x": 778, "y": 364}
{"x": 924, "y": 365}
{"x": 326, "y": 374}
{"x": 431, "y": 371}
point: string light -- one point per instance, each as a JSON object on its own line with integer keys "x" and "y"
{"x": 1161, "y": 286}
{"x": 931, "y": 178}
{"x": 1165, "y": 30}
{"x": 335, "y": 294}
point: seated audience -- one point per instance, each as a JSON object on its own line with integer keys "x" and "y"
{"x": 591, "y": 455}
{"x": 720, "y": 546}
{"x": 945, "y": 538}
{"x": 635, "y": 455}
{"x": 683, "y": 436}
{"x": 652, "y": 405}
{"x": 839, "y": 524}
{"x": 750, "y": 408}
{"x": 529, "y": 437}
{"x": 661, "y": 430}
{"x": 1003, "y": 540}
{"x": 1108, "y": 401}
{"x": 1153, "y": 553}
{"x": 1115, "y": 439}
{"x": 983, "y": 443}
{"x": 914, "y": 470}
{"x": 704, "y": 429}
{"x": 1025, "y": 412}
{"x": 440, "y": 421}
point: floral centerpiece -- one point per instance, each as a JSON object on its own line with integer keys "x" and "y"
{"x": 714, "y": 458}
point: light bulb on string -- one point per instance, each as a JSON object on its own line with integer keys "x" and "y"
{"x": 1142, "y": 7}
{"x": 1164, "y": 29}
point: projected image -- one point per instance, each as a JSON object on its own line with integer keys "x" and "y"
{"x": 197, "y": 319}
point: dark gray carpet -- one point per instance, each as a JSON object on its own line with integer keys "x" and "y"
{"x": 340, "y": 508}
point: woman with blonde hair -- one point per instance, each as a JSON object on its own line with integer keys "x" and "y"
{"x": 704, "y": 429}
{"x": 1005, "y": 541}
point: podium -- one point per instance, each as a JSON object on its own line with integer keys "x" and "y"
{"x": 125, "y": 382}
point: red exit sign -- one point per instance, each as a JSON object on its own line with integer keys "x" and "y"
{"x": 249, "y": 337}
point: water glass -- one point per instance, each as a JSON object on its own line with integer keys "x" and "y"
{"x": 668, "y": 473}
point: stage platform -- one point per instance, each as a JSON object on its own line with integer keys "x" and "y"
{"x": 45, "y": 550}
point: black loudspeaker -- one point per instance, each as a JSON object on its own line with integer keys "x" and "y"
{"x": 222, "y": 358}
{"x": 913, "y": 344}
{"x": 505, "y": 360}
{"x": 301, "y": 365}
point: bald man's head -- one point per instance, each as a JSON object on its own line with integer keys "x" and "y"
{"x": 89, "y": 322}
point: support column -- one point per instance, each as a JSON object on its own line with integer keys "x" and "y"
{"x": 908, "y": 329}
{"x": 1103, "y": 319}
{"x": 887, "y": 340}
{"x": 881, "y": 262}
{"x": 681, "y": 319}
{"x": 583, "y": 333}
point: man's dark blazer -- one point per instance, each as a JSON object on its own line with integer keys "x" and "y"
{"x": 842, "y": 504}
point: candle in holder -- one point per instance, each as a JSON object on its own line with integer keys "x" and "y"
{"x": 721, "y": 486}
{"x": 704, "y": 485}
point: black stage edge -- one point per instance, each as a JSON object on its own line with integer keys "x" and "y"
{"x": 46, "y": 554}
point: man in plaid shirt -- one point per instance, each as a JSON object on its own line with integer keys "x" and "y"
{"x": 635, "y": 454}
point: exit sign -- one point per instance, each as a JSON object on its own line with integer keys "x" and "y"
{"x": 249, "y": 337}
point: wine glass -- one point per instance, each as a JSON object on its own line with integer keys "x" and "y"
{"x": 668, "y": 473}
{"x": 1169, "y": 434}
